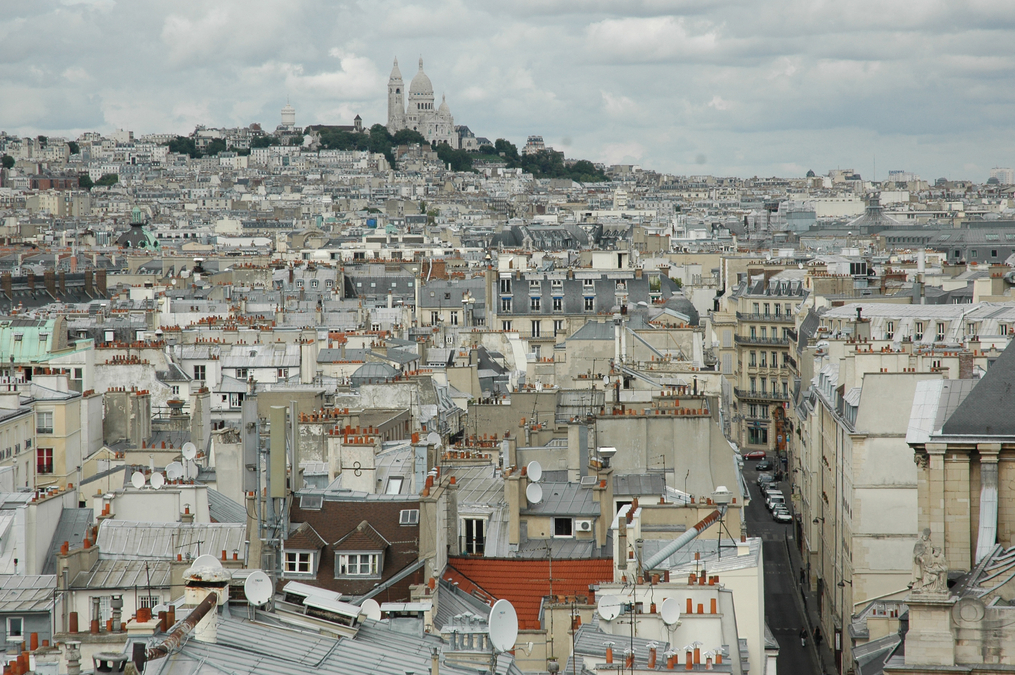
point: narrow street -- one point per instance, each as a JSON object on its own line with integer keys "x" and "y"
{"x": 783, "y": 606}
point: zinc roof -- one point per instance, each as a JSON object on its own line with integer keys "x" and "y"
{"x": 125, "y": 540}
{"x": 564, "y": 499}
{"x": 26, "y": 593}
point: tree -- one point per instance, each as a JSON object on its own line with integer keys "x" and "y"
{"x": 409, "y": 137}
{"x": 460, "y": 160}
{"x": 507, "y": 149}
{"x": 85, "y": 182}
{"x": 7, "y": 161}
{"x": 108, "y": 179}
{"x": 216, "y": 146}
{"x": 264, "y": 141}
{"x": 73, "y": 147}
{"x": 182, "y": 145}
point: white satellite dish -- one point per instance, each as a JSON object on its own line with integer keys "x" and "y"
{"x": 257, "y": 588}
{"x": 608, "y": 607}
{"x": 503, "y": 626}
{"x": 174, "y": 471}
{"x": 206, "y": 562}
{"x": 535, "y": 471}
{"x": 670, "y": 611}
{"x": 606, "y": 380}
{"x": 371, "y": 609}
{"x": 137, "y": 480}
{"x": 534, "y": 493}
{"x": 189, "y": 450}
{"x": 434, "y": 439}
{"x": 159, "y": 608}
{"x": 157, "y": 480}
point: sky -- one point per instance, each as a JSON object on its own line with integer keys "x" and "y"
{"x": 721, "y": 87}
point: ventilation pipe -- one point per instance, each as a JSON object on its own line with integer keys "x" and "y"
{"x": 682, "y": 541}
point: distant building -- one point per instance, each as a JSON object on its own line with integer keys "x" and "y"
{"x": 436, "y": 125}
{"x": 533, "y": 145}
{"x": 1004, "y": 176}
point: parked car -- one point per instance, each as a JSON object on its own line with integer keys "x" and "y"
{"x": 755, "y": 454}
{"x": 764, "y": 465}
{"x": 782, "y": 516}
{"x": 765, "y": 478}
{"x": 774, "y": 500}
{"x": 770, "y": 490}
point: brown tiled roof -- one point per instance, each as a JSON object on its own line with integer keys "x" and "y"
{"x": 305, "y": 538}
{"x": 526, "y": 582}
{"x": 363, "y": 538}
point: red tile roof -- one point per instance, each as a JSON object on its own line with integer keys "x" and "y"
{"x": 525, "y": 582}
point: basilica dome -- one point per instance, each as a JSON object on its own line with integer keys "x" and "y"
{"x": 420, "y": 85}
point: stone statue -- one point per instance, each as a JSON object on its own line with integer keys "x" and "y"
{"x": 920, "y": 550}
{"x": 930, "y": 569}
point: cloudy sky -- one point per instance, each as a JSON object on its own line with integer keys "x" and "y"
{"x": 725, "y": 87}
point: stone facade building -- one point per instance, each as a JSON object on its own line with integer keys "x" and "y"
{"x": 435, "y": 124}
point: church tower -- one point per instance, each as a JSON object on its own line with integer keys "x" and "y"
{"x": 396, "y": 100}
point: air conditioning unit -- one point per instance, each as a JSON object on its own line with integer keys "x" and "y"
{"x": 584, "y": 525}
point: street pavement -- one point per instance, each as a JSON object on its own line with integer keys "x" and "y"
{"x": 784, "y": 607}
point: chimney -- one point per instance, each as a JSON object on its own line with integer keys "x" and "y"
{"x": 100, "y": 281}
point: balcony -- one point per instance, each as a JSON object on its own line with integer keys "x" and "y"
{"x": 770, "y": 396}
{"x": 767, "y": 318}
{"x": 746, "y": 340}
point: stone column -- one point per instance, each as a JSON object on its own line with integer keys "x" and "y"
{"x": 958, "y": 525}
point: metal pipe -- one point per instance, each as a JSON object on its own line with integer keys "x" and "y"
{"x": 174, "y": 639}
{"x": 682, "y": 541}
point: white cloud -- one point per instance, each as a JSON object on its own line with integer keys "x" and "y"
{"x": 748, "y": 87}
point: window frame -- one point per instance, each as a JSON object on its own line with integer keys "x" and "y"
{"x": 44, "y": 466}
{"x": 293, "y": 560}
{"x": 40, "y": 426}
{"x": 563, "y": 523}
{"x": 374, "y": 565}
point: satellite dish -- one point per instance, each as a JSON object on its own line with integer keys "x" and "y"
{"x": 670, "y": 611}
{"x": 371, "y": 609}
{"x": 159, "y": 608}
{"x": 257, "y": 588}
{"x": 174, "y": 471}
{"x": 609, "y": 607}
{"x": 137, "y": 480}
{"x": 535, "y": 471}
{"x": 189, "y": 450}
{"x": 434, "y": 439}
{"x": 607, "y": 453}
{"x": 606, "y": 380}
{"x": 158, "y": 480}
{"x": 534, "y": 493}
{"x": 503, "y": 626}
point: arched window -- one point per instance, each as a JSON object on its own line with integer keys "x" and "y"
{"x": 397, "y": 90}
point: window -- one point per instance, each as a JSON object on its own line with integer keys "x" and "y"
{"x": 563, "y": 527}
{"x": 993, "y": 253}
{"x": 199, "y": 372}
{"x": 556, "y": 283}
{"x": 242, "y": 373}
{"x": 767, "y": 309}
{"x": 394, "y": 485}
{"x": 764, "y": 385}
{"x": 79, "y": 373}
{"x": 889, "y": 330}
{"x": 297, "y": 562}
{"x": 283, "y": 372}
{"x": 757, "y": 436}
{"x": 505, "y": 304}
{"x": 358, "y": 564}
{"x": 972, "y": 253}
{"x": 534, "y": 304}
{"x": 314, "y": 283}
{"x": 754, "y": 384}
{"x": 1004, "y": 329}
{"x": 558, "y": 326}
{"x": 473, "y": 536}
{"x": 588, "y": 285}
{"x": 454, "y": 318}
{"x": 752, "y": 410}
{"x": 435, "y": 317}
{"x": 15, "y": 628}
{"x": 775, "y": 359}
{"x": 505, "y": 325}
{"x": 408, "y": 516}
{"x": 44, "y": 422}
{"x": 940, "y": 332}
{"x": 505, "y": 285}
{"x": 970, "y": 329}
{"x": 918, "y": 333}
{"x": 785, "y": 389}
{"x": 175, "y": 389}
{"x": 558, "y": 304}
{"x": 754, "y": 333}
{"x": 590, "y": 304}
{"x": 763, "y": 362}
{"x": 535, "y": 328}
{"x": 148, "y": 601}
{"x": 299, "y": 283}
{"x": 757, "y": 309}
{"x": 764, "y": 332}
{"x": 44, "y": 460}
{"x": 778, "y": 309}
{"x": 534, "y": 284}
{"x": 753, "y": 359}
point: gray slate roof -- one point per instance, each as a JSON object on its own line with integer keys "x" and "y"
{"x": 125, "y": 540}
{"x": 989, "y": 409}
{"x": 26, "y": 593}
{"x": 72, "y": 528}
{"x": 224, "y": 510}
{"x": 564, "y": 499}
